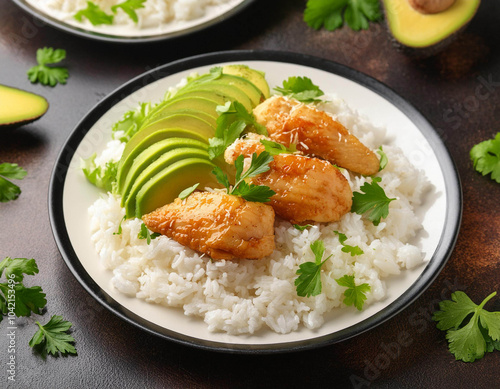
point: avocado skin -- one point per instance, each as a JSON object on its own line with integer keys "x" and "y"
{"x": 426, "y": 51}
{"x": 6, "y": 123}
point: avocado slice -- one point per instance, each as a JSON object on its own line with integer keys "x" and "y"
{"x": 156, "y": 168}
{"x": 227, "y": 92}
{"x": 143, "y": 139}
{"x": 165, "y": 187}
{"x": 151, "y": 154}
{"x": 18, "y": 107}
{"x": 199, "y": 104}
{"x": 247, "y": 87}
{"x": 423, "y": 34}
{"x": 254, "y": 76}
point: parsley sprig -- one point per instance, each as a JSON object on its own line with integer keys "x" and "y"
{"x": 129, "y": 7}
{"x": 145, "y": 234}
{"x": 308, "y": 283}
{"x": 275, "y": 148}
{"x": 486, "y": 157}
{"x": 232, "y": 121}
{"x": 94, "y": 14}
{"x": 48, "y": 75}
{"x": 52, "y": 338}
{"x": 468, "y": 339}
{"x": 353, "y": 250}
{"x": 8, "y": 190}
{"x": 331, "y": 14}
{"x": 373, "y": 200}
{"x": 354, "y": 294}
{"x": 250, "y": 192}
{"x": 301, "y": 89}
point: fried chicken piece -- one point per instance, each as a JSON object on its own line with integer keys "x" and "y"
{"x": 220, "y": 225}
{"x": 307, "y": 189}
{"x": 315, "y": 133}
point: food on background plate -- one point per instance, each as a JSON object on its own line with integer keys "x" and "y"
{"x": 243, "y": 295}
{"x": 133, "y": 17}
{"x": 19, "y": 107}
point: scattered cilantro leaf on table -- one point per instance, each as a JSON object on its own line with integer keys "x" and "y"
{"x": 26, "y": 300}
{"x": 383, "y": 158}
{"x": 258, "y": 193}
{"x": 353, "y": 250}
{"x": 131, "y": 122}
{"x": 186, "y": 192}
{"x": 129, "y": 7}
{"x": 232, "y": 121}
{"x": 8, "y": 190}
{"x": 275, "y": 148}
{"x": 373, "y": 200}
{"x": 48, "y": 75}
{"x": 145, "y": 234}
{"x": 308, "y": 283}
{"x": 471, "y": 340}
{"x": 301, "y": 89}
{"x": 52, "y": 338}
{"x": 354, "y": 294}
{"x": 94, "y": 14}
{"x": 486, "y": 157}
{"x": 330, "y": 14}
{"x": 100, "y": 177}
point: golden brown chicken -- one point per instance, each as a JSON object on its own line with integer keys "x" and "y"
{"x": 315, "y": 133}
{"x": 220, "y": 225}
{"x": 307, "y": 189}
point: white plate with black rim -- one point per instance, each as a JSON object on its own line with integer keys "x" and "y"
{"x": 71, "y": 195}
{"x": 119, "y": 34}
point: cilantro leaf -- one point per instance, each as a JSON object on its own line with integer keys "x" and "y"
{"x": 131, "y": 122}
{"x": 8, "y": 190}
{"x": 486, "y": 157}
{"x": 52, "y": 338}
{"x": 330, "y": 13}
{"x": 301, "y": 89}
{"x": 302, "y": 228}
{"x": 383, "y": 158}
{"x": 101, "y": 178}
{"x": 186, "y": 192}
{"x": 275, "y": 148}
{"x": 94, "y": 15}
{"x": 28, "y": 300}
{"x": 16, "y": 268}
{"x": 129, "y": 7}
{"x": 48, "y": 75}
{"x": 232, "y": 121}
{"x": 221, "y": 178}
{"x": 308, "y": 283}
{"x": 353, "y": 250}
{"x": 480, "y": 335}
{"x": 373, "y": 200}
{"x": 354, "y": 294}
{"x": 145, "y": 234}
{"x": 119, "y": 232}
{"x": 252, "y": 192}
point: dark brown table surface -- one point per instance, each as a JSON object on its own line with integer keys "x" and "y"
{"x": 111, "y": 353}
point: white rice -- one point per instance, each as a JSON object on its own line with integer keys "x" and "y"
{"x": 155, "y": 13}
{"x": 243, "y": 296}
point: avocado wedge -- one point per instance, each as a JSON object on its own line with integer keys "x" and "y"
{"x": 200, "y": 104}
{"x": 164, "y": 187}
{"x": 254, "y": 76}
{"x": 424, "y": 34}
{"x": 18, "y": 107}
{"x": 152, "y": 154}
{"x": 228, "y": 93}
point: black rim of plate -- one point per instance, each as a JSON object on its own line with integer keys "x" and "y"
{"x": 431, "y": 271}
{"x": 82, "y": 32}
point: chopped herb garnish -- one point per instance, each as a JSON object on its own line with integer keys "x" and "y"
{"x": 353, "y": 250}
{"x": 301, "y": 89}
{"x": 131, "y": 121}
{"x": 129, "y": 7}
{"x": 302, "y": 228}
{"x": 186, "y": 192}
{"x": 308, "y": 283}
{"x": 354, "y": 294}
{"x": 373, "y": 200}
{"x": 145, "y": 234}
{"x": 486, "y": 157}
{"x": 8, "y": 190}
{"x": 119, "y": 232}
{"x": 101, "y": 178}
{"x": 48, "y": 75}
{"x": 383, "y": 158}
{"x": 275, "y": 148}
{"x": 469, "y": 339}
{"x": 94, "y": 15}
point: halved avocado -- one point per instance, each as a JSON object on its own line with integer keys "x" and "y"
{"x": 424, "y": 34}
{"x": 254, "y": 76}
{"x": 156, "y": 169}
{"x": 18, "y": 107}
{"x": 153, "y": 153}
{"x": 164, "y": 187}
{"x": 247, "y": 87}
{"x": 143, "y": 139}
